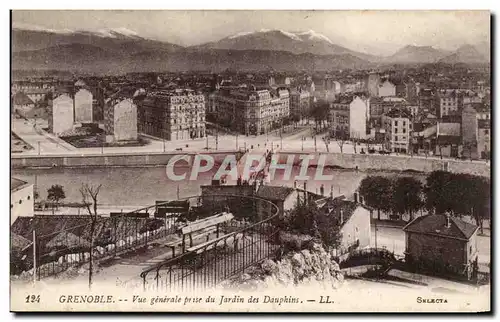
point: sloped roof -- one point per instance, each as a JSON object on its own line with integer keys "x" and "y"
{"x": 398, "y": 113}
{"x": 21, "y": 98}
{"x": 336, "y": 207}
{"x": 18, "y": 243}
{"x": 448, "y": 129}
{"x": 274, "y": 192}
{"x": 16, "y": 183}
{"x": 67, "y": 240}
{"x": 436, "y": 225}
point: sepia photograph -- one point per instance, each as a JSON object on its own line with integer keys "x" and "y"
{"x": 250, "y": 161}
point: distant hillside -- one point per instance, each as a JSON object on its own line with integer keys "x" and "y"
{"x": 467, "y": 54}
{"x": 416, "y": 54}
{"x": 96, "y": 60}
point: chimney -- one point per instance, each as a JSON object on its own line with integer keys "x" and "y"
{"x": 295, "y": 184}
{"x": 356, "y": 197}
{"x": 448, "y": 221}
{"x": 341, "y": 216}
{"x": 361, "y": 200}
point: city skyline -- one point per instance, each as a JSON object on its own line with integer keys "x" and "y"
{"x": 374, "y": 32}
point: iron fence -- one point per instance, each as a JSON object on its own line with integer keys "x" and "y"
{"x": 56, "y": 251}
{"x": 206, "y": 265}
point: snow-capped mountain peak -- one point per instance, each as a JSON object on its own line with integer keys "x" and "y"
{"x": 291, "y": 35}
{"x": 24, "y": 26}
{"x": 103, "y": 32}
{"x": 112, "y": 32}
{"x": 312, "y": 35}
{"x": 297, "y": 36}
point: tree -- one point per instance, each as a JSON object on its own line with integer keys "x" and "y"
{"x": 407, "y": 196}
{"x": 91, "y": 192}
{"x": 341, "y": 137}
{"x": 320, "y": 113}
{"x": 55, "y": 194}
{"x": 377, "y": 193}
{"x": 307, "y": 218}
{"x": 481, "y": 208}
{"x": 437, "y": 192}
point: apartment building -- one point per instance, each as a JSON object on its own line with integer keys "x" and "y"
{"x": 397, "y": 124}
{"x": 349, "y": 115}
{"x": 251, "y": 111}
{"x": 173, "y": 115}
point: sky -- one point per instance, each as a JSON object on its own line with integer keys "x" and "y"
{"x": 375, "y": 32}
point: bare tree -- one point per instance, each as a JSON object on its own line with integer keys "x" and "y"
{"x": 341, "y": 138}
{"x": 326, "y": 139}
{"x": 91, "y": 192}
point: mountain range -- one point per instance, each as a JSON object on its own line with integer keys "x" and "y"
{"x": 115, "y": 51}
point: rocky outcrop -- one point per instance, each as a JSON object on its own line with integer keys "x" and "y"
{"x": 313, "y": 265}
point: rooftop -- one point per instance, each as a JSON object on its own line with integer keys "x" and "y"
{"x": 274, "y": 192}
{"x": 436, "y": 225}
{"x": 448, "y": 129}
{"x": 16, "y": 183}
{"x": 21, "y": 98}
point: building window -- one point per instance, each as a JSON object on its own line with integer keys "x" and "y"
{"x": 486, "y": 132}
{"x": 29, "y": 197}
{"x": 20, "y": 201}
{"x": 396, "y": 138}
{"x": 395, "y": 123}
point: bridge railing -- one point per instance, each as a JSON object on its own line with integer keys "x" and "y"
{"x": 207, "y": 264}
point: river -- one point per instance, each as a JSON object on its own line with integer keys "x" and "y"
{"x": 141, "y": 186}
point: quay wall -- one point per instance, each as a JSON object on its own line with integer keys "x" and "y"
{"x": 390, "y": 162}
{"x": 110, "y": 160}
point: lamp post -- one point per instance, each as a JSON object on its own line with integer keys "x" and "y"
{"x": 38, "y": 147}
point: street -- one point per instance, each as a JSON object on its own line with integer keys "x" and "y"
{"x": 295, "y": 140}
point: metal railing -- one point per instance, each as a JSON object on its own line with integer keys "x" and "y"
{"x": 58, "y": 251}
{"x": 208, "y": 264}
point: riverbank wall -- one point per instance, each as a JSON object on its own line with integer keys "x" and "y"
{"x": 112, "y": 160}
{"x": 388, "y": 162}
{"x": 347, "y": 161}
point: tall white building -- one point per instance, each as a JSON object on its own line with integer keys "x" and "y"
{"x": 398, "y": 127}
{"x": 120, "y": 120}
{"x": 386, "y": 89}
{"x": 349, "y": 116}
{"x": 83, "y": 106}
{"x": 359, "y": 112}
